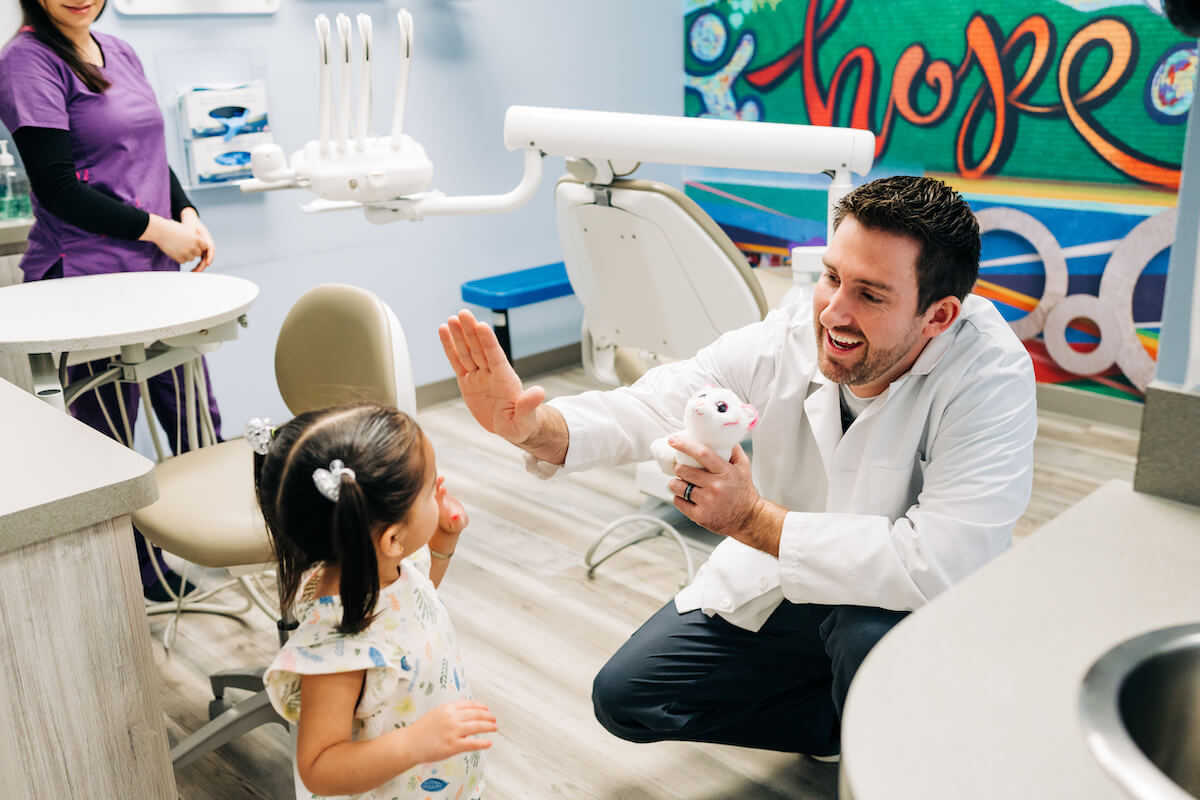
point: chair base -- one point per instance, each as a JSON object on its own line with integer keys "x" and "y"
{"x": 657, "y": 527}
{"x": 193, "y": 603}
{"x": 228, "y": 721}
{"x": 249, "y": 680}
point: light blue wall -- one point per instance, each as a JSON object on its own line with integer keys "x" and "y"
{"x": 1179, "y": 323}
{"x": 473, "y": 59}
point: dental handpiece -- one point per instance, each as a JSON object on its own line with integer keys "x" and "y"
{"x": 404, "y": 63}
{"x": 364, "y": 82}
{"x": 325, "y": 108}
{"x": 343, "y": 131}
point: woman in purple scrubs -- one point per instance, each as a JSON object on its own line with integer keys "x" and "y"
{"x": 90, "y": 133}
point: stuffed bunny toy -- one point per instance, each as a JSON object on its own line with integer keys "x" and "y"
{"x": 716, "y": 418}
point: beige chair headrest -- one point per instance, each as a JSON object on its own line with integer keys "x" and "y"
{"x": 335, "y": 347}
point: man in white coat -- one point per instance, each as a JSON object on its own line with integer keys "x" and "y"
{"x": 892, "y": 457}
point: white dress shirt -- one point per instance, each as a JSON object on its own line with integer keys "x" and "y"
{"x": 923, "y": 488}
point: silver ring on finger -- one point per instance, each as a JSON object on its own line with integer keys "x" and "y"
{"x": 687, "y": 493}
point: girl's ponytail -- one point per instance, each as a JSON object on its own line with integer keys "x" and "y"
{"x": 331, "y": 481}
{"x": 354, "y": 548}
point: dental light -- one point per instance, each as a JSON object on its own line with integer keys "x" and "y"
{"x": 389, "y": 177}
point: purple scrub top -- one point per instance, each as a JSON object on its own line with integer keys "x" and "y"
{"x": 119, "y": 147}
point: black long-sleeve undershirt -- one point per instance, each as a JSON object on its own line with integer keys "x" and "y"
{"x": 50, "y": 164}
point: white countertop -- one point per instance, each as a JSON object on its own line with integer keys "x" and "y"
{"x": 976, "y": 695}
{"x": 99, "y": 311}
{"x": 58, "y": 475}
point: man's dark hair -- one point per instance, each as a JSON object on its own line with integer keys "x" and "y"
{"x": 936, "y": 216}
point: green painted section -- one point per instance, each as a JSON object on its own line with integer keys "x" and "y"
{"x": 866, "y": 39}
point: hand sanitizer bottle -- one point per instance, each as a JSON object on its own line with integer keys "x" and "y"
{"x": 14, "y": 187}
{"x": 7, "y": 173}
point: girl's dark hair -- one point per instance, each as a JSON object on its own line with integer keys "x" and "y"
{"x": 46, "y": 32}
{"x": 936, "y": 216}
{"x": 385, "y": 448}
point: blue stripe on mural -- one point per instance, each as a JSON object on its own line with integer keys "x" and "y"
{"x": 1071, "y": 226}
{"x": 791, "y": 229}
{"x": 742, "y": 236}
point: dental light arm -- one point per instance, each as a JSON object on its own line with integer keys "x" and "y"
{"x": 688, "y": 140}
{"x": 602, "y": 136}
{"x": 390, "y": 176}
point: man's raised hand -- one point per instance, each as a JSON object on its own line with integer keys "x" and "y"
{"x": 488, "y": 383}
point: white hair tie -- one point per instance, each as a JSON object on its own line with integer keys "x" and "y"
{"x": 329, "y": 481}
{"x": 259, "y": 432}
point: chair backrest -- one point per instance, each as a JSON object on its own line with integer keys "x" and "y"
{"x": 342, "y": 344}
{"x": 652, "y": 269}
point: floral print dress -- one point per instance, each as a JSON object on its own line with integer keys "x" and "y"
{"x": 410, "y": 654}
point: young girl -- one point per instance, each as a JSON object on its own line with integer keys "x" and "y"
{"x": 363, "y": 531}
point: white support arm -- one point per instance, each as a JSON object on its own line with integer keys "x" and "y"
{"x": 435, "y": 204}
{"x": 839, "y": 187}
{"x": 732, "y": 144}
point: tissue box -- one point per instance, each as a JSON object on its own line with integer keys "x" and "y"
{"x": 227, "y": 111}
{"x": 214, "y": 160}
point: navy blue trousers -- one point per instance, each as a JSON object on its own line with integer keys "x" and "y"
{"x": 166, "y": 400}
{"x": 167, "y": 407}
{"x": 690, "y": 677}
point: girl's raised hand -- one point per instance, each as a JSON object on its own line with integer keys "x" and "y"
{"x": 450, "y": 729}
{"x": 452, "y": 516}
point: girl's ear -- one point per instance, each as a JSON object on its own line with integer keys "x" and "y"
{"x": 391, "y": 541}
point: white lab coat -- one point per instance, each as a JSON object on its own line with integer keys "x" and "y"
{"x": 924, "y": 487}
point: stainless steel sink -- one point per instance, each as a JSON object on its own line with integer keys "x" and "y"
{"x": 1140, "y": 707}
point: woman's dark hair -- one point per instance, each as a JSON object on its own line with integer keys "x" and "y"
{"x": 46, "y": 32}
{"x": 936, "y": 216}
{"x": 385, "y": 448}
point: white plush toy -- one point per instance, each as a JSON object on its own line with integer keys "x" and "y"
{"x": 716, "y": 418}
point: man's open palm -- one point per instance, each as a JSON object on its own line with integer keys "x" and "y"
{"x": 488, "y": 383}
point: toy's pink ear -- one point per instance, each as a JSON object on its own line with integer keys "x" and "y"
{"x": 749, "y": 409}
{"x": 710, "y": 386}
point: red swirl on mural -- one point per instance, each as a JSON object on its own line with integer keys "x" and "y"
{"x": 1001, "y": 100}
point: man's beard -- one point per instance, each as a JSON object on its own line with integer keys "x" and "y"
{"x": 871, "y": 365}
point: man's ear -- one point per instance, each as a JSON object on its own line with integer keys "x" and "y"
{"x": 940, "y": 315}
{"x": 391, "y": 541}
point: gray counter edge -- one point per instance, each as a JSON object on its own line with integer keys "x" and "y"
{"x": 39, "y": 523}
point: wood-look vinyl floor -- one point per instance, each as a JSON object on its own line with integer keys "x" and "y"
{"x": 535, "y": 629}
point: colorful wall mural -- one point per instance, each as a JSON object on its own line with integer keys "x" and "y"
{"x": 1061, "y": 122}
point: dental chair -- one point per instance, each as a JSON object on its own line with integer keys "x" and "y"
{"x": 338, "y": 344}
{"x": 658, "y": 280}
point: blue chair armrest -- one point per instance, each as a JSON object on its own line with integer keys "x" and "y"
{"x": 519, "y": 288}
